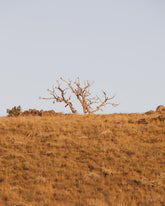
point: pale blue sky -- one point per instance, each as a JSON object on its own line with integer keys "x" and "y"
{"x": 120, "y": 44}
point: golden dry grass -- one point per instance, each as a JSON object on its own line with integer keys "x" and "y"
{"x": 82, "y": 160}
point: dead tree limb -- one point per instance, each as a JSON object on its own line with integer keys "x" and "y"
{"x": 61, "y": 98}
{"x": 103, "y": 102}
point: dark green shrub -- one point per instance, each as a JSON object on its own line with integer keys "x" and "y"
{"x": 15, "y": 111}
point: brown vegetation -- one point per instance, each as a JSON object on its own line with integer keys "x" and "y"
{"x": 35, "y": 112}
{"x": 83, "y": 160}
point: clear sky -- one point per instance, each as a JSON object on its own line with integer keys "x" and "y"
{"x": 120, "y": 44}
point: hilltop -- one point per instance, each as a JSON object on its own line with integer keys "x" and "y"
{"x": 93, "y": 160}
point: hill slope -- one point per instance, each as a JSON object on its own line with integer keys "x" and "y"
{"x": 94, "y": 160}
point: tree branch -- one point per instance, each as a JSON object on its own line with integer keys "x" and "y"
{"x": 104, "y": 102}
{"x": 61, "y": 98}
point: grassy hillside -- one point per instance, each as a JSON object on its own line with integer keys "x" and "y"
{"x": 79, "y": 160}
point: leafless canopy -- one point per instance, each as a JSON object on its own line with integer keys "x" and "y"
{"x": 89, "y": 103}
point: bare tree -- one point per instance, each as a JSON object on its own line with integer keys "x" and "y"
{"x": 89, "y": 103}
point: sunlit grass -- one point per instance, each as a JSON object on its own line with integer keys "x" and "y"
{"x": 82, "y": 160}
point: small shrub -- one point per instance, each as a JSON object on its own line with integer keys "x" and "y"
{"x": 15, "y": 111}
